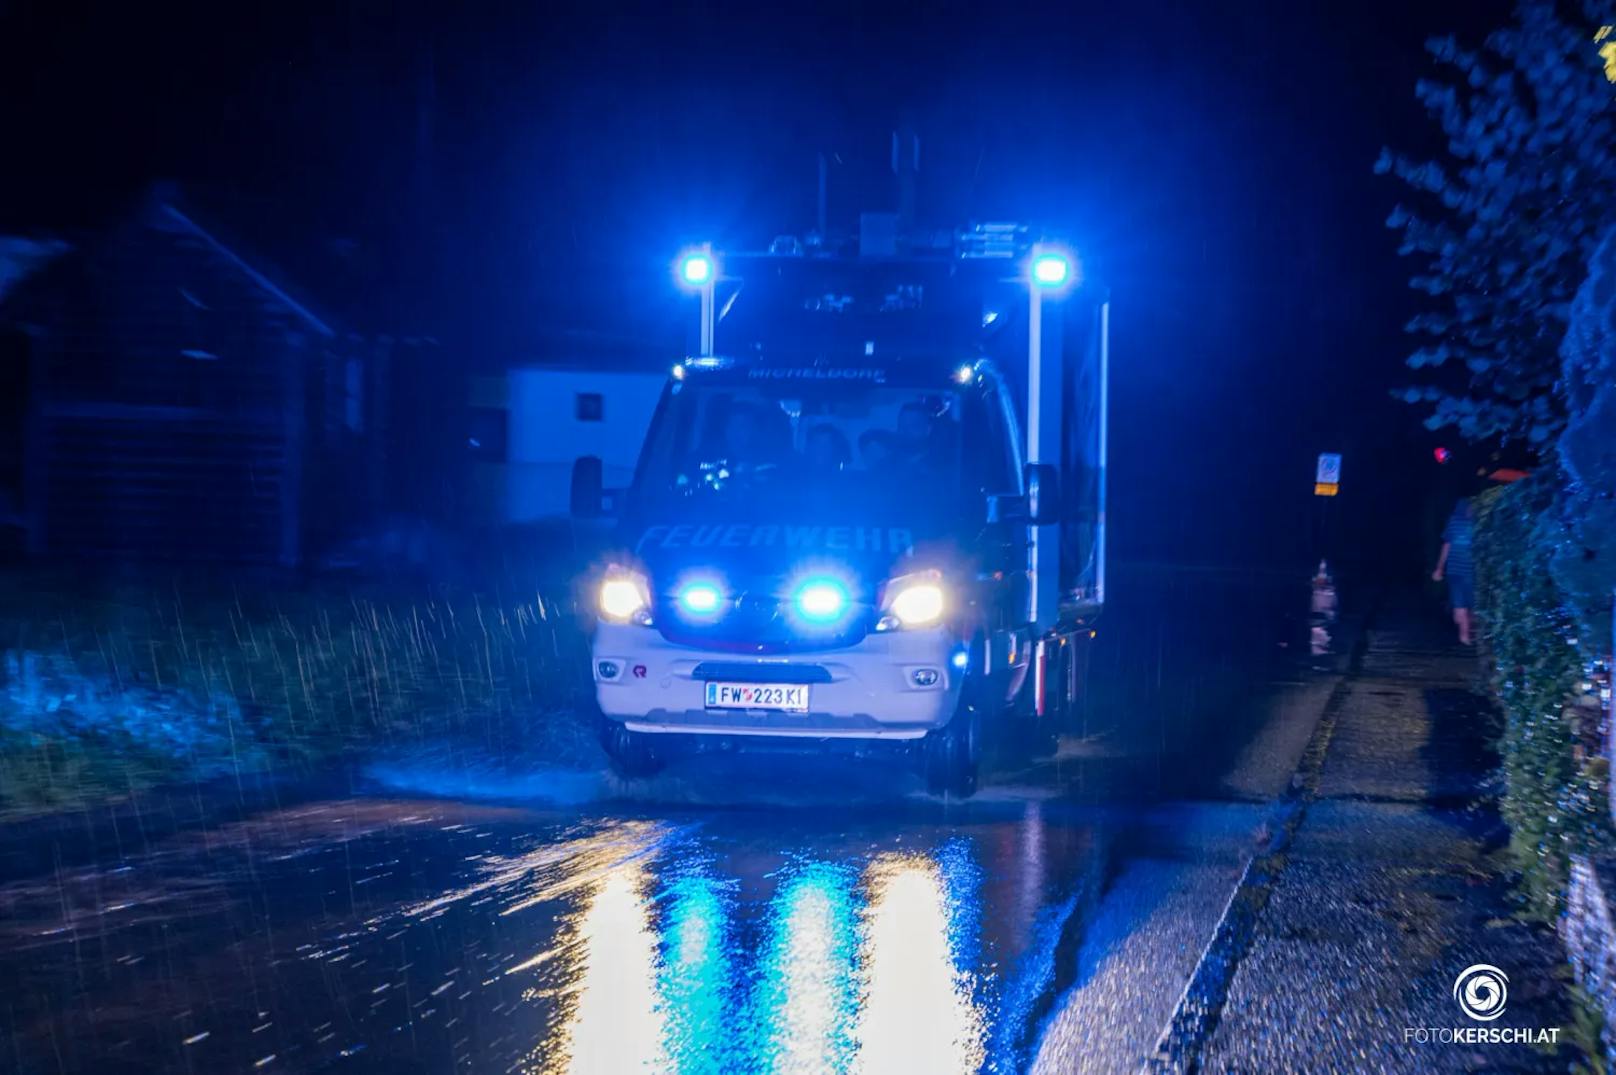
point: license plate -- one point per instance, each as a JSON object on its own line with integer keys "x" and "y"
{"x": 785, "y": 697}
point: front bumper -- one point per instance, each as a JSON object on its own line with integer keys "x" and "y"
{"x": 877, "y": 688}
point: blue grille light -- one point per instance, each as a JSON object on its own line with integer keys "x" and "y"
{"x": 960, "y": 659}
{"x": 700, "y": 598}
{"x": 821, "y": 600}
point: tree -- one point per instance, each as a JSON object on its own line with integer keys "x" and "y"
{"x": 1507, "y": 222}
{"x": 1581, "y": 529}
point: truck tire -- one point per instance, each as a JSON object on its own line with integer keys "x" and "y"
{"x": 632, "y": 754}
{"x": 953, "y": 753}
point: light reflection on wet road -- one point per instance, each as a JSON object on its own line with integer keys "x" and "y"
{"x": 716, "y": 921}
{"x": 400, "y": 935}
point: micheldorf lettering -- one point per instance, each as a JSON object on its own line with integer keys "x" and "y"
{"x": 874, "y": 374}
{"x": 893, "y": 539}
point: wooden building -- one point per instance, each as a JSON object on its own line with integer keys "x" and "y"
{"x": 182, "y": 404}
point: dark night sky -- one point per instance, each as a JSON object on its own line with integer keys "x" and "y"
{"x": 488, "y": 175}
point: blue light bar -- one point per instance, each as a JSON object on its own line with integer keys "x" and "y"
{"x": 1051, "y": 269}
{"x": 697, "y": 268}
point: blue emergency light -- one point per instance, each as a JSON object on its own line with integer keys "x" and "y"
{"x": 697, "y": 268}
{"x": 700, "y": 598}
{"x": 821, "y": 600}
{"x": 1051, "y": 269}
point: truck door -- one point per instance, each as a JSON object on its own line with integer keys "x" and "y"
{"x": 993, "y": 462}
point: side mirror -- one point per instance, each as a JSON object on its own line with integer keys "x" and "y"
{"x": 1043, "y": 494}
{"x": 1038, "y": 506}
{"x": 1007, "y": 508}
{"x": 588, "y": 496}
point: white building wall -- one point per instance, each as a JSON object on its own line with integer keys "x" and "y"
{"x": 545, "y": 435}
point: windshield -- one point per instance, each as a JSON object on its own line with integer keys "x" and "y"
{"x": 832, "y": 444}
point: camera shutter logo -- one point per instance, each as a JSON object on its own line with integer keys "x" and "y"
{"x": 1481, "y": 991}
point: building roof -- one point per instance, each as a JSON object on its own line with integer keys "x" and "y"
{"x": 173, "y": 214}
{"x": 21, "y": 257}
{"x": 29, "y": 264}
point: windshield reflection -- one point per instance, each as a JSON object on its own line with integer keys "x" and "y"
{"x": 725, "y": 445}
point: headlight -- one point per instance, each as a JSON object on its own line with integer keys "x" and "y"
{"x": 625, "y": 598}
{"x": 918, "y": 604}
{"x": 912, "y": 601}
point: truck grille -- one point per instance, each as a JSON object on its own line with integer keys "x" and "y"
{"x": 756, "y": 672}
{"x": 758, "y": 623}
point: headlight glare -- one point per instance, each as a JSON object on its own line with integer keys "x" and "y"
{"x": 625, "y": 598}
{"x": 913, "y": 601}
{"x": 919, "y": 603}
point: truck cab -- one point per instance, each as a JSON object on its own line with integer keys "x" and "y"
{"x": 839, "y": 530}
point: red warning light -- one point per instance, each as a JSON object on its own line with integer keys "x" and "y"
{"x": 1442, "y": 455}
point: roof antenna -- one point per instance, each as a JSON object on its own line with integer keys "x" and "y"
{"x": 819, "y": 206}
{"x": 906, "y": 164}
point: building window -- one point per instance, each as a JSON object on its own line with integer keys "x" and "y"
{"x": 590, "y": 407}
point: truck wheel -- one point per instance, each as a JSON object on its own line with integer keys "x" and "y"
{"x": 631, "y": 753}
{"x": 953, "y": 754}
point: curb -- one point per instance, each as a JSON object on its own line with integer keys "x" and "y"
{"x": 1196, "y": 1016}
{"x": 1056, "y": 967}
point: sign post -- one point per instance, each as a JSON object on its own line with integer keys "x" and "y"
{"x": 1327, "y": 477}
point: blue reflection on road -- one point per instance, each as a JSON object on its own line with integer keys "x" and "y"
{"x": 806, "y": 995}
{"x": 696, "y": 975}
{"x": 854, "y": 970}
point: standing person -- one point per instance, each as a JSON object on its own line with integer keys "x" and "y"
{"x": 1456, "y": 564}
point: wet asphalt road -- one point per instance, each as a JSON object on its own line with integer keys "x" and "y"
{"x": 735, "y": 914}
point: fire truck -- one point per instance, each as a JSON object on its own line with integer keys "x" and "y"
{"x": 868, "y": 511}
